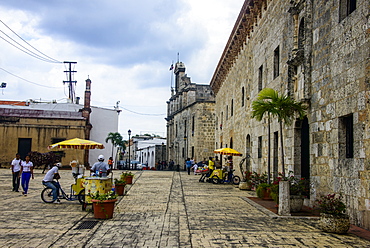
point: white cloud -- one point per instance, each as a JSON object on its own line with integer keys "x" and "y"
{"x": 125, "y": 48}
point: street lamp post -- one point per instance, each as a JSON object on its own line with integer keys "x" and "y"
{"x": 129, "y": 155}
{"x": 162, "y": 156}
{"x": 185, "y": 151}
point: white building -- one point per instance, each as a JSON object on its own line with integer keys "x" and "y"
{"x": 103, "y": 122}
{"x": 150, "y": 151}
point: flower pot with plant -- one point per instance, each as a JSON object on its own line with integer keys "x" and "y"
{"x": 333, "y": 217}
{"x": 263, "y": 191}
{"x": 298, "y": 187}
{"x": 119, "y": 185}
{"x": 103, "y": 204}
{"x": 127, "y": 176}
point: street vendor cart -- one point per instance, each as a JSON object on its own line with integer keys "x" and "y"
{"x": 83, "y": 186}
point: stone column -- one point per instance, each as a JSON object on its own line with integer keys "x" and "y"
{"x": 284, "y": 201}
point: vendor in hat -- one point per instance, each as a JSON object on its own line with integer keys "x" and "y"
{"x": 100, "y": 168}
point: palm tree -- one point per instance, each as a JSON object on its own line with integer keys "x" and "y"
{"x": 122, "y": 145}
{"x": 284, "y": 108}
{"x": 115, "y": 139}
{"x": 261, "y": 107}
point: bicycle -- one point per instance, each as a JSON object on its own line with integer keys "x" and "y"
{"x": 220, "y": 176}
{"x": 47, "y": 194}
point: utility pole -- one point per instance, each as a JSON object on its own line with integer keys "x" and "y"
{"x": 70, "y": 82}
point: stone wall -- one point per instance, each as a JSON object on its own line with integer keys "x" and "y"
{"x": 323, "y": 62}
{"x": 41, "y": 131}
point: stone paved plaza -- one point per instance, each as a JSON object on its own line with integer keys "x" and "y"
{"x": 161, "y": 209}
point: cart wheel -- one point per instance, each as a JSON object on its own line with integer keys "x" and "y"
{"x": 236, "y": 180}
{"x": 47, "y": 195}
{"x": 81, "y": 196}
{"x": 215, "y": 179}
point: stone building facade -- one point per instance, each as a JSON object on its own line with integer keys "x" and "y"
{"x": 23, "y": 130}
{"x": 190, "y": 119}
{"x": 316, "y": 52}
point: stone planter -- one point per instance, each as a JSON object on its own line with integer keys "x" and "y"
{"x": 245, "y": 186}
{"x": 334, "y": 224}
{"x": 296, "y": 203}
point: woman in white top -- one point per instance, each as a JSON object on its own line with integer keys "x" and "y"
{"x": 27, "y": 173}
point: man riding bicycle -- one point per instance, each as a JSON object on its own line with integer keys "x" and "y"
{"x": 48, "y": 181}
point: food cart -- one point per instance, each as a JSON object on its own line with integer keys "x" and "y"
{"x": 90, "y": 184}
{"x": 95, "y": 184}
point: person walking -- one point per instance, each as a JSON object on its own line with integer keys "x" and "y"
{"x": 16, "y": 170}
{"x": 230, "y": 167}
{"x": 48, "y": 181}
{"x": 188, "y": 165}
{"x": 110, "y": 163}
{"x": 26, "y": 173}
{"x": 172, "y": 163}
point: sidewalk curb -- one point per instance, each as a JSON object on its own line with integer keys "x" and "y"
{"x": 273, "y": 215}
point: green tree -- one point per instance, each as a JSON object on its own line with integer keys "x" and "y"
{"x": 283, "y": 107}
{"x": 261, "y": 107}
{"x": 115, "y": 138}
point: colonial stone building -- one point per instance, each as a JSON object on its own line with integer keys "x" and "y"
{"x": 318, "y": 53}
{"x": 23, "y": 129}
{"x": 190, "y": 119}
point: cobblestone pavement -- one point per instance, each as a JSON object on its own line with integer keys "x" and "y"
{"x": 161, "y": 209}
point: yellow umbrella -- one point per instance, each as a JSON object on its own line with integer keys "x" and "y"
{"x": 77, "y": 143}
{"x": 228, "y": 151}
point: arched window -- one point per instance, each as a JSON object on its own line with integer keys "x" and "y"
{"x": 243, "y": 96}
{"x": 232, "y": 107}
{"x": 301, "y": 38}
{"x": 248, "y": 145}
{"x": 227, "y": 112}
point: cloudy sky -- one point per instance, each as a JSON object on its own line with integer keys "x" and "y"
{"x": 125, "y": 47}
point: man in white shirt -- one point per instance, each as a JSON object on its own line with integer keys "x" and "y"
{"x": 100, "y": 168}
{"x": 16, "y": 168}
{"x": 48, "y": 181}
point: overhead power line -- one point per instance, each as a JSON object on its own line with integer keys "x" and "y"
{"x": 28, "y": 80}
{"x": 42, "y": 57}
{"x": 141, "y": 113}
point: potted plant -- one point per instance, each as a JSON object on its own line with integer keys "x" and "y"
{"x": 257, "y": 179}
{"x": 127, "y": 176}
{"x": 119, "y": 185}
{"x": 333, "y": 217}
{"x": 299, "y": 189}
{"x": 263, "y": 191}
{"x": 103, "y": 204}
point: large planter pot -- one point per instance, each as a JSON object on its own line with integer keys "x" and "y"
{"x": 334, "y": 224}
{"x": 103, "y": 209}
{"x": 296, "y": 203}
{"x": 266, "y": 194}
{"x": 120, "y": 189}
{"x": 245, "y": 186}
{"x": 128, "y": 179}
